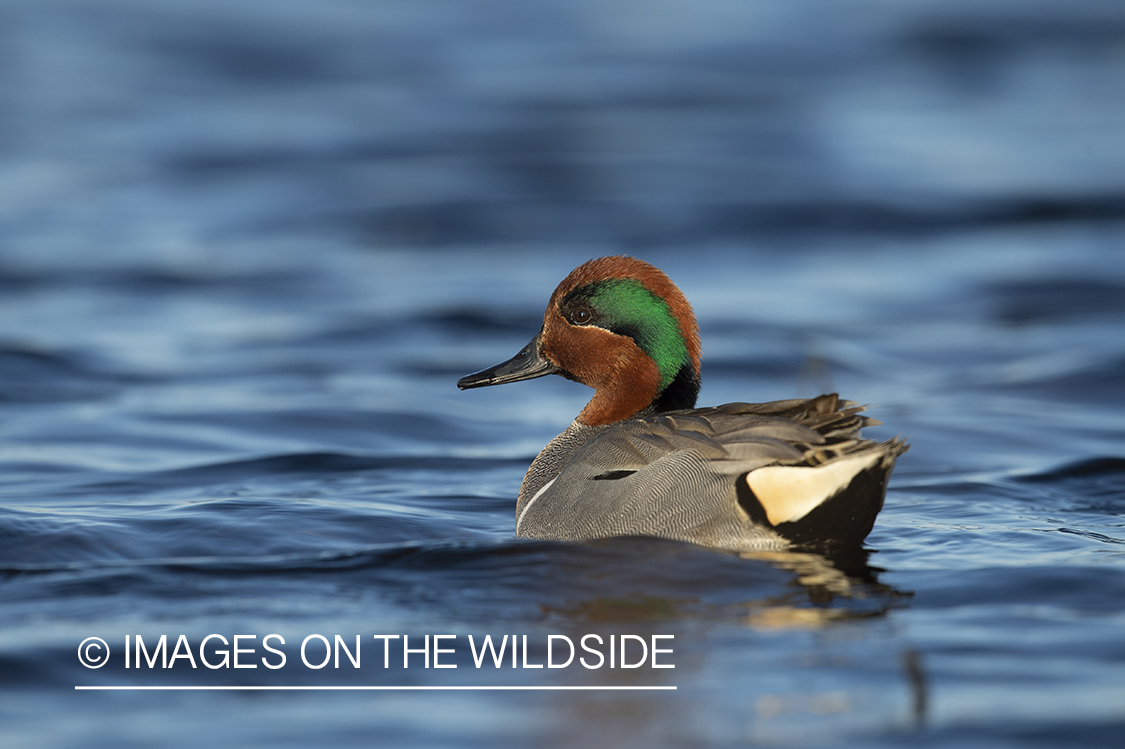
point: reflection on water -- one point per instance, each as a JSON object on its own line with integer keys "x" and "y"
{"x": 912, "y": 663}
{"x": 816, "y": 591}
{"x": 824, "y": 580}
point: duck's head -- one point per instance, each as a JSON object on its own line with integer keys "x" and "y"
{"x": 620, "y": 326}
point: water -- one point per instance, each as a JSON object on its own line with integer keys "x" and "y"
{"x": 247, "y": 250}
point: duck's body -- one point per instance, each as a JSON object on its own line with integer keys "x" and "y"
{"x": 640, "y": 460}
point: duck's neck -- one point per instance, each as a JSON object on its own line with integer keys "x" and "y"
{"x": 631, "y": 390}
{"x": 637, "y": 393}
{"x": 681, "y": 393}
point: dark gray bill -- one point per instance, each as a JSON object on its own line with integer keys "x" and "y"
{"x": 526, "y": 365}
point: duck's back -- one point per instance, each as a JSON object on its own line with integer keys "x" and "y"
{"x": 740, "y": 476}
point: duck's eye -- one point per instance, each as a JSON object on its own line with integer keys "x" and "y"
{"x": 581, "y": 315}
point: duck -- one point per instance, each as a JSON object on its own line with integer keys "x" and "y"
{"x": 641, "y": 460}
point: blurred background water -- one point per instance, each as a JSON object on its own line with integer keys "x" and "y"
{"x": 247, "y": 248}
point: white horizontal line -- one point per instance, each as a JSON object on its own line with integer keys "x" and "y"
{"x": 365, "y": 688}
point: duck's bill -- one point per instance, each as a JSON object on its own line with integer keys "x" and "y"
{"x": 526, "y": 365}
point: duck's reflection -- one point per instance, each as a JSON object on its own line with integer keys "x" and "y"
{"x": 768, "y": 597}
{"x": 823, "y": 586}
{"x": 841, "y": 576}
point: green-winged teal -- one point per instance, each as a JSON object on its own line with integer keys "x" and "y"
{"x": 640, "y": 459}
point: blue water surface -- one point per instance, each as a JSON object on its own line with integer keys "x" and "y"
{"x": 247, "y": 248}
